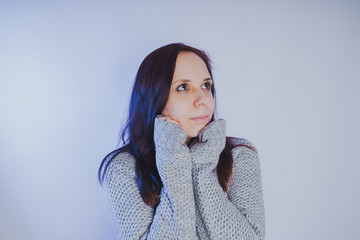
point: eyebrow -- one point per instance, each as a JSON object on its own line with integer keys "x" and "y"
{"x": 187, "y": 80}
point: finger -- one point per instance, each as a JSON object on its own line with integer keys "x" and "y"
{"x": 165, "y": 118}
{"x": 169, "y": 119}
{"x": 172, "y": 121}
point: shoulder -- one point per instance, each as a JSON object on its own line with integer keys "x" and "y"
{"x": 244, "y": 153}
{"x": 246, "y": 159}
{"x": 241, "y": 143}
{"x": 120, "y": 168}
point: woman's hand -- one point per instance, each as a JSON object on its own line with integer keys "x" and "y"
{"x": 167, "y": 118}
{"x": 212, "y": 139}
{"x": 168, "y": 134}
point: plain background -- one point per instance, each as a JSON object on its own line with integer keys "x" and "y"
{"x": 287, "y": 79}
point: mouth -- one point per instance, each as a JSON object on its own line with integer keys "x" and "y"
{"x": 202, "y": 118}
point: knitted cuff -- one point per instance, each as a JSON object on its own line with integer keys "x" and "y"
{"x": 214, "y": 131}
{"x": 213, "y": 139}
{"x": 167, "y": 135}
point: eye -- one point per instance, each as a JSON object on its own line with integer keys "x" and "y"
{"x": 207, "y": 85}
{"x": 182, "y": 87}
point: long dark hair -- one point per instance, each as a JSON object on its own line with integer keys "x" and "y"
{"x": 148, "y": 99}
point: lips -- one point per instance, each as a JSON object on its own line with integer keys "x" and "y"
{"x": 202, "y": 118}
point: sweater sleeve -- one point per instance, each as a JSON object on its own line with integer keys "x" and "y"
{"x": 174, "y": 217}
{"x": 242, "y": 217}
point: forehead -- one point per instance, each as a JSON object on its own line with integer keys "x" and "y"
{"x": 190, "y": 66}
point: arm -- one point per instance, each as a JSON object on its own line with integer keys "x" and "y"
{"x": 174, "y": 217}
{"x": 243, "y": 216}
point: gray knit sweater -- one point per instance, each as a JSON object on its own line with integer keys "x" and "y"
{"x": 192, "y": 203}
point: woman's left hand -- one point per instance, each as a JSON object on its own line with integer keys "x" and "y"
{"x": 212, "y": 139}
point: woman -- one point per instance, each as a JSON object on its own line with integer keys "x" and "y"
{"x": 178, "y": 176}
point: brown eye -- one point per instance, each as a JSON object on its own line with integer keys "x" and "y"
{"x": 207, "y": 85}
{"x": 182, "y": 87}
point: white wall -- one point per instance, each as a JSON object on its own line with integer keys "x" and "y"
{"x": 287, "y": 78}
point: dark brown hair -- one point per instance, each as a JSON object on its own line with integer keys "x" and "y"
{"x": 148, "y": 99}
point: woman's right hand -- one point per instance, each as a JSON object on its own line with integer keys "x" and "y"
{"x": 168, "y": 134}
{"x": 170, "y": 153}
{"x": 167, "y": 118}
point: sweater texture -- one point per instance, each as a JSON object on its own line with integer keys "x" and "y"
{"x": 192, "y": 204}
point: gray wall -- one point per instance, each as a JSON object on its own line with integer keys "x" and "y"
{"x": 287, "y": 78}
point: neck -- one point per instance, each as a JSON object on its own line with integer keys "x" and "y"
{"x": 188, "y": 140}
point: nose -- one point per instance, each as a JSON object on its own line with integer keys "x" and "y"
{"x": 200, "y": 98}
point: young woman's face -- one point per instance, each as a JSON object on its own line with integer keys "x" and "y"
{"x": 190, "y": 101}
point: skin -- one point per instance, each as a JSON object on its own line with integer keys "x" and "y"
{"x": 190, "y": 95}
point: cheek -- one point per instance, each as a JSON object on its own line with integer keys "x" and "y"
{"x": 211, "y": 104}
{"x": 178, "y": 112}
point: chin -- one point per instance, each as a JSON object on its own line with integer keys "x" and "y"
{"x": 194, "y": 130}
{"x": 194, "y": 133}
